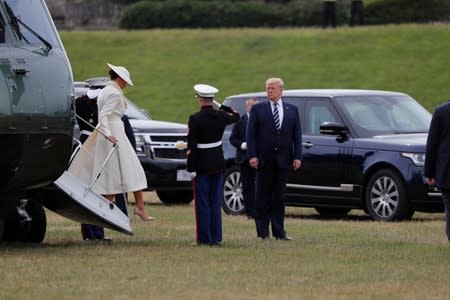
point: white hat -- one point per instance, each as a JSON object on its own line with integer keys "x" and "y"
{"x": 92, "y": 94}
{"x": 122, "y": 72}
{"x": 204, "y": 90}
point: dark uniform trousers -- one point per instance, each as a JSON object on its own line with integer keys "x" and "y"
{"x": 208, "y": 208}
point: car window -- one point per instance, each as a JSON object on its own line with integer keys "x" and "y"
{"x": 135, "y": 112}
{"x": 373, "y": 115}
{"x": 317, "y": 112}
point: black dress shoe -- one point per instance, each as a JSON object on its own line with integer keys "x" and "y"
{"x": 267, "y": 237}
{"x": 105, "y": 239}
{"x": 284, "y": 238}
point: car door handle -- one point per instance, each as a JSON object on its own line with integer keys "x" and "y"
{"x": 307, "y": 145}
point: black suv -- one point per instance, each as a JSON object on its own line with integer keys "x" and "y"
{"x": 361, "y": 150}
{"x": 160, "y": 146}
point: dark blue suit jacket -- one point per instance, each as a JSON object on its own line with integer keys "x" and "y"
{"x": 437, "y": 158}
{"x": 269, "y": 145}
{"x": 237, "y": 137}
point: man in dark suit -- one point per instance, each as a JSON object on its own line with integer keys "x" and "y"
{"x": 206, "y": 164}
{"x": 274, "y": 141}
{"x": 239, "y": 141}
{"x": 437, "y": 157}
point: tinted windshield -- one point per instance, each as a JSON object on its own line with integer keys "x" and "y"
{"x": 135, "y": 112}
{"x": 33, "y": 14}
{"x": 379, "y": 115}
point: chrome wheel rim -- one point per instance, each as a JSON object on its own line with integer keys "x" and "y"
{"x": 232, "y": 192}
{"x": 384, "y": 197}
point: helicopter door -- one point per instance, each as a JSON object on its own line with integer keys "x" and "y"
{"x": 27, "y": 96}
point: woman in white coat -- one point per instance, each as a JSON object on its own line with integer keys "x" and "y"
{"x": 122, "y": 171}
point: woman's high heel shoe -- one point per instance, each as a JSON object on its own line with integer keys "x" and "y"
{"x": 142, "y": 215}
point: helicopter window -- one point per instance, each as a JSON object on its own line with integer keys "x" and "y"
{"x": 33, "y": 14}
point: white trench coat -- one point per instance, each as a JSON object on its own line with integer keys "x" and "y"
{"x": 89, "y": 160}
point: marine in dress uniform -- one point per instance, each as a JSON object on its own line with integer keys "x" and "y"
{"x": 206, "y": 163}
{"x": 86, "y": 109}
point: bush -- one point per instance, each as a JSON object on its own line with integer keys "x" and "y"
{"x": 253, "y": 13}
{"x": 214, "y": 14}
{"x": 406, "y": 11}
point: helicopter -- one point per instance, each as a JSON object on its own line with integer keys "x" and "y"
{"x": 37, "y": 126}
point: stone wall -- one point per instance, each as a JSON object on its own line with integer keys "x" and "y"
{"x": 85, "y": 14}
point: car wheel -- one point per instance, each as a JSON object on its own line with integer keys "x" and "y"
{"x": 233, "y": 199}
{"x": 386, "y": 197}
{"x": 175, "y": 197}
{"x": 332, "y": 212}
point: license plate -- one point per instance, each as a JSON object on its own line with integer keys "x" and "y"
{"x": 183, "y": 175}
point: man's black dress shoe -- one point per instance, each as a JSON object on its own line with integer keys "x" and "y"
{"x": 105, "y": 239}
{"x": 284, "y": 238}
{"x": 267, "y": 237}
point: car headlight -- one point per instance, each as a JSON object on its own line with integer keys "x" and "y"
{"x": 140, "y": 145}
{"x": 417, "y": 158}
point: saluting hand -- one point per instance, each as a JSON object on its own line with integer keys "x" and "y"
{"x": 297, "y": 163}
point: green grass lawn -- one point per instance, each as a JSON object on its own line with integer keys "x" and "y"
{"x": 165, "y": 64}
{"x": 352, "y": 258}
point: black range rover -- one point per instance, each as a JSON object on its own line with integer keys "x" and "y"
{"x": 160, "y": 146}
{"x": 362, "y": 149}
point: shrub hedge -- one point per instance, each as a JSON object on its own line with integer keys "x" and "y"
{"x": 253, "y": 13}
{"x": 407, "y": 11}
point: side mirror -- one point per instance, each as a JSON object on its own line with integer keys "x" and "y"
{"x": 333, "y": 128}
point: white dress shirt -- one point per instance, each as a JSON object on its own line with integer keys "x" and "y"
{"x": 280, "y": 110}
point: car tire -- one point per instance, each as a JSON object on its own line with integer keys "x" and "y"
{"x": 175, "y": 197}
{"x": 233, "y": 199}
{"x": 386, "y": 197}
{"x": 332, "y": 212}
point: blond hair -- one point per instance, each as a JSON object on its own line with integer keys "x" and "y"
{"x": 278, "y": 81}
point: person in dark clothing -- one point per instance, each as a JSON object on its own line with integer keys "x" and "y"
{"x": 206, "y": 163}
{"x": 437, "y": 157}
{"x": 356, "y": 11}
{"x": 87, "y": 118}
{"x": 329, "y": 13}
{"x": 121, "y": 200}
{"x": 239, "y": 141}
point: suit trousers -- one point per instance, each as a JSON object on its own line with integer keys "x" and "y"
{"x": 248, "y": 188}
{"x": 271, "y": 196}
{"x": 208, "y": 192}
{"x": 446, "y": 199}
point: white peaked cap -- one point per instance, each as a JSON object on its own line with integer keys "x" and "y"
{"x": 92, "y": 94}
{"x": 204, "y": 90}
{"x": 122, "y": 72}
